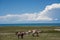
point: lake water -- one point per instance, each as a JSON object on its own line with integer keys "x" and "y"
{"x": 32, "y": 24}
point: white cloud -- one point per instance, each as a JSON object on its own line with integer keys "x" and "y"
{"x": 31, "y": 16}
{"x": 20, "y": 17}
{"x": 43, "y": 15}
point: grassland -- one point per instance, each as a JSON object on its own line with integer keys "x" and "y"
{"x": 48, "y": 33}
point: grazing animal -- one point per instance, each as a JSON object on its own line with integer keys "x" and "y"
{"x": 34, "y": 32}
{"x": 29, "y": 31}
{"x": 20, "y": 34}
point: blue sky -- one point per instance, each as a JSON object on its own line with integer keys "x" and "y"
{"x": 29, "y": 11}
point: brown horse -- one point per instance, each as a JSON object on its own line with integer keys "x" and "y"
{"x": 20, "y": 34}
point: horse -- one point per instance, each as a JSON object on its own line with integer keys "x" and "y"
{"x": 20, "y": 34}
{"x": 34, "y": 32}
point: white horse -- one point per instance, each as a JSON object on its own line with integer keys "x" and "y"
{"x": 34, "y": 32}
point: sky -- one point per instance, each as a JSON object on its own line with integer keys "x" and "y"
{"x": 29, "y": 11}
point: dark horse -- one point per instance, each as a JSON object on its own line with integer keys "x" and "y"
{"x": 20, "y": 34}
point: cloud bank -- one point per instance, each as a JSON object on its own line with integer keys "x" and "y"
{"x": 48, "y": 14}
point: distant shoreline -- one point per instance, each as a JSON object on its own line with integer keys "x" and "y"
{"x": 32, "y": 24}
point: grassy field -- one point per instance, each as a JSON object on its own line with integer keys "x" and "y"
{"x": 48, "y": 33}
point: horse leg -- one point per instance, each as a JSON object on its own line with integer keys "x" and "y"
{"x": 18, "y": 36}
{"x": 33, "y": 34}
{"x": 37, "y": 35}
{"x": 22, "y": 36}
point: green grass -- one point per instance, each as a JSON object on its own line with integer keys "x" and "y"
{"x": 48, "y": 33}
